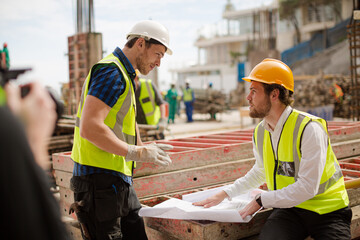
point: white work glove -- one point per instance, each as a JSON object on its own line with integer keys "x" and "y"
{"x": 162, "y": 124}
{"x": 152, "y": 153}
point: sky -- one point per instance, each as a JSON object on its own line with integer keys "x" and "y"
{"x": 36, "y": 31}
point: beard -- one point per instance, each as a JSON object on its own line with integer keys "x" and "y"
{"x": 263, "y": 109}
{"x": 141, "y": 64}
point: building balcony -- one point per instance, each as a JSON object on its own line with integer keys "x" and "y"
{"x": 207, "y": 42}
{"x": 317, "y": 26}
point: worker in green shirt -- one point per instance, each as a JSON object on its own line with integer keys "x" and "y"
{"x": 171, "y": 98}
{"x": 6, "y": 57}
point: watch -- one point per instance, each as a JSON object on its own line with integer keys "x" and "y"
{"x": 258, "y": 199}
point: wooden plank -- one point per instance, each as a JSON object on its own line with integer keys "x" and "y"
{"x": 209, "y": 230}
{"x": 355, "y": 159}
{"x": 170, "y": 179}
{"x": 197, "y": 158}
{"x": 230, "y": 137}
{"x": 186, "y": 157}
{"x": 179, "y": 180}
{"x": 191, "y": 178}
{"x": 355, "y": 222}
{"x": 346, "y": 149}
{"x": 191, "y": 230}
{"x": 195, "y": 145}
{"x": 62, "y": 161}
{"x": 66, "y": 199}
{"x": 354, "y": 196}
{"x": 209, "y": 140}
{"x": 153, "y": 234}
{"x": 180, "y": 160}
{"x": 345, "y": 133}
{"x": 63, "y": 178}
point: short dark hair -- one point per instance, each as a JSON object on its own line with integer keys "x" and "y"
{"x": 148, "y": 43}
{"x": 285, "y": 95}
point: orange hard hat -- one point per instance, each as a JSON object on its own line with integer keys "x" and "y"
{"x": 272, "y": 71}
{"x": 5, "y": 44}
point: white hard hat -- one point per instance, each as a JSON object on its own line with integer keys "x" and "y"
{"x": 187, "y": 81}
{"x": 151, "y": 29}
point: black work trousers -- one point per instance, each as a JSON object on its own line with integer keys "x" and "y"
{"x": 107, "y": 208}
{"x": 296, "y": 223}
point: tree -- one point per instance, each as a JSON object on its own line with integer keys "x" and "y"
{"x": 288, "y": 8}
{"x": 287, "y": 11}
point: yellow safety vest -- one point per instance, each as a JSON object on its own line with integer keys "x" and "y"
{"x": 121, "y": 120}
{"x": 147, "y": 102}
{"x": 283, "y": 170}
{"x": 188, "y": 95}
{"x": 2, "y": 97}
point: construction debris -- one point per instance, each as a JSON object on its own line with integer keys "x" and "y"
{"x": 321, "y": 91}
{"x": 209, "y": 101}
{"x": 238, "y": 96}
{"x": 62, "y": 139}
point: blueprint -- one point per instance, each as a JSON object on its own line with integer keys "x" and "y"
{"x": 226, "y": 211}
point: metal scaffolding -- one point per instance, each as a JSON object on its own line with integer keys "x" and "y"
{"x": 354, "y": 43}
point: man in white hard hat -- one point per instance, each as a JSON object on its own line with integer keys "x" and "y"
{"x": 106, "y": 141}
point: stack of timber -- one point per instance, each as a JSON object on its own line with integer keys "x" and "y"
{"x": 149, "y": 132}
{"x": 324, "y": 90}
{"x": 62, "y": 139}
{"x": 208, "y": 161}
{"x": 237, "y": 96}
{"x": 209, "y": 101}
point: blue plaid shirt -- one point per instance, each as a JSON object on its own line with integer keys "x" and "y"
{"x": 107, "y": 84}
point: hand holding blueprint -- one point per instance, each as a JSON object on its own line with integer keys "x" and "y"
{"x": 226, "y": 211}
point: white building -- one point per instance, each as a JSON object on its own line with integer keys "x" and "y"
{"x": 248, "y": 36}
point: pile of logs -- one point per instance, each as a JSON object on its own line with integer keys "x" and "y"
{"x": 209, "y": 101}
{"x": 319, "y": 91}
{"x": 62, "y": 139}
{"x": 238, "y": 95}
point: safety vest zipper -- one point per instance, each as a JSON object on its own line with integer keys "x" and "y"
{"x": 276, "y": 161}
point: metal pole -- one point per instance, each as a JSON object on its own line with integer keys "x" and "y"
{"x": 91, "y": 16}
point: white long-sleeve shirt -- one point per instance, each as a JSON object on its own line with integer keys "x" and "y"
{"x": 314, "y": 146}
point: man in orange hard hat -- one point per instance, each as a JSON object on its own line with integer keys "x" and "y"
{"x": 295, "y": 158}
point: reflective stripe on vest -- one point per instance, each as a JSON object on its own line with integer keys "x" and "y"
{"x": 282, "y": 166}
{"x": 188, "y": 95}
{"x": 120, "y": 119}
{"x": 147, "y": 102}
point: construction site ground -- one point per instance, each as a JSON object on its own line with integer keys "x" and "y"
{"x": 202, "y": 125}
{"x": 228, "y": 120}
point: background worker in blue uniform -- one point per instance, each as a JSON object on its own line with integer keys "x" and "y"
{"x": 106, "y": 140}
{"x": 189, "y": 99}
{"x": 150, "y": 106}
{"x": 294, "y": 157}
